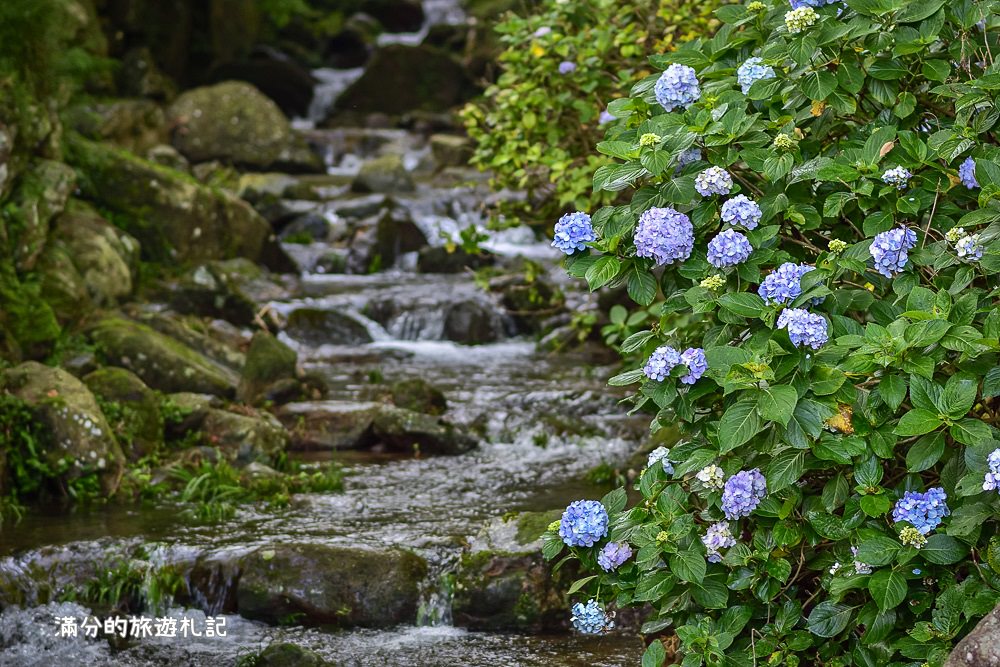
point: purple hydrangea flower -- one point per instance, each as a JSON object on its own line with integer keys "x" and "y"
{"x": 718, "y": 536}
{"x": 694, "y": 359}
{"x": 573, "y": 232}
{"x": 752, "y": 70}
{"x": 661, "y": 362}
{"x": 728, "y": 248}
{"x": 661, "y": 455}
{"x": 783, "y": 284}
{"x": 541, "y": 32}
{"x": 742, "y": 493}
{"x": 665, "y": 235}
{"x": 804, "y": 328}
{"x": 897, "y": 176}
{"x": 713, "y": 181}
{"x": 810, "y": 3}
{"x": 992, "y": 482}
{"x": 968, "y": 248}
{"x": 889, "y": 250}
{"x": 567, "y": 66}
{"x": 583, "y": 523}
{"x": 741, "y": 210}
{"x": 923, "y": 511}
{"x": 967, "y": 172}
{"x": 677, "y": 87}
{"x": 687, "y": 157}
{"x": 590, "y": 618}
{"x": 605, "y": 117}
{"x": 613, "y": 555}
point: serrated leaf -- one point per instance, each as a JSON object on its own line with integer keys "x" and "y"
{"x": 688, "y": 565}
{"x": 829, "y": 619}
{"x": 777, "y": 403}
{"x": 739, "y": 423}
{"x": 785, "y": 469}
{"x": 888, "y": 588}
{"x": 917, "y": 422}
{"x": 580, "y": 583}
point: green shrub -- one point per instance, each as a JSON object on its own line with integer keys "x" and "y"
{"x": 535, "y": 128}
{"x": 900, "y": 398}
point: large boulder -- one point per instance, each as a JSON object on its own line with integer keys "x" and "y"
{"x": 329, "y": 425}
{"x": 378, "y": 246}
{"x": 81, "y": 440}
{"x": 384, "y": 174}
{"x": 450, "y": 150}
{"x": 235, "y": 123}
{"x": 40, "y": 195}
{"x": 217, "y": 340}
{"x": 245, "y": 438}
{"x": 175, "y": 217}
{"x": 161, "y": 362}
{"x": 132, "y": 408}
{"x": 329, "y": 585}
{"x": 283, "y": 654}
{"x": 439, "y": 259}
{"x": 62, "y": 286}
{"x": 270, "y": 364}
{"x": 209, "y": 291}
{"x": 981, "y": 647}
{"x": 418, "y": 395}
{"x": 406, "y": 431}
{"x": 274, "y": 74}
{"x": 316, "y": 327}
{"x": 135, "y": 125}
{"x": 472, "y": 323}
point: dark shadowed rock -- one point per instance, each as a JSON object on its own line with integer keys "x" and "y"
{"x": 329, "y": 425}
{"x": 269, "y": 361}
{"x": 316, "y": 327}
{"x": 472, "y": 323}
{"x": 210, "y": 291}
{"x": 437, "y": 259}
{"x": 245, "y": 438}
{"x": 378, "y": 246}
{"x": 396, "y": 15}
{"x": 981, "y": 647}
{"x": 276, "y": 75}
{"x": 406, "y": 431}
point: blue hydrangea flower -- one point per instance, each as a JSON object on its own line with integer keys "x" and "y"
{"x": 811, "y": 3}
{"x": 661, "y": 362}
{"x": 917, "y": 571}
{"x": 665, "y": 235}
{"x": 783, "y": 284}
{"x": 567, "y": 66}
{"x": 677, "y": 87}
{"x": 967, "y": 172}
{"x": 897, "y": 176}
{"x": 889, "y": 250}
{"x": 752, "y": 70}
{"x": 718, "y": 536}
{"x": 605, "y": 117}
{"x": 804, "y": 328}
{"x": 992, "y": 482}
{"x": 729, "y": 248}
{"x": 573, "y": 232}
{"x": 697, "y": 364}
{"x": 687, "y": 157}
{"x": 713, "y": 181}
{"x": 590, "y": 618}
{"x": 661, "y": 455}
{"x": 583, "y": 523}
{"x": 968, "y": 248}
{"x": 613, "y": 555}
{"x": 742, "y": 493}
{"x": 923, "y": 511}
{"x": 741, "y": 210}
{"x": 541, "y": 32}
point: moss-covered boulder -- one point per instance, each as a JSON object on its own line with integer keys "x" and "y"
{"x": 245, "y": 437}
{"x": 81, "y": 441}
{"x": 269, "y": 362}
{"x": 283, "y": 654}
{"x": 106, "y": 257}
{"x": 235, "y": 123}
{"x": 438, "y": 259}
{"x": 319, "y": 584}
{"x": 132, "y": 408}
{"x": 218, "y": 342}
{"x": 402, "y": 430}
{"x": 62, "y": 286}
{"x": 450, "y": 150}
{"x": 175, "y": 217}
{"x": 329, "y": 425}
{"x": 378, "y": 244}
{"x": 161, "y": 362}
{"x": 385, "y": 174}
{"x": 40, "y": 194}
{"x": 135, "y": 125}
{"x": 208, "y": 290}
{"x": 316, "y": 327}
{"x": 418, "y": 395}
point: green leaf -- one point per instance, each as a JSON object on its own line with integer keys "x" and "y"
{"x": 739, "y": 423}
{"x": 970, "y": 431}
{"x": 710, "y": 593}
{"x": 580, "y": 583}
{"x": 925, "y": 452}
{"x": 655, "y": 161}
{"x": 785, "y": 469}
{"x": 636, "y": 341}
{"x": 968, "y": 517}
{"x": 688, "y": 565}
{"x": 892, "y": 389}
{"x": 627, "y": 378}
{"x": 917, "y": 422}
{"x": 655, "y": 655}
{"x": 959, "y": 395}
{"x": 827, "y": 525}
{"x": 742, "y": 303}
{"x": 818, "y": 85}
{"x": 777, "y": 403}
{"x": 991, "y": 383}
{"x": 641, "y": 286}
{"x": 653, "y": 586}
{"x": 829, "y": 619}
{"x": 614, "y": 501}
{"x": 878, "y": 551}
{"x": 875, "y": 506}
{"x": 888, "y": 588}
{"x": 603, "y": 271}
{"x": 943, "y": 550}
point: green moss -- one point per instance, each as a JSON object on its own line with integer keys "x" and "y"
{"x": 531, "y": 525}
{"x": 30, "y": 320}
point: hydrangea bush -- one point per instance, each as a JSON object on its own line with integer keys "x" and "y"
{"x": 828, "y": 259}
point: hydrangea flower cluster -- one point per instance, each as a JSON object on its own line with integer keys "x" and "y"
{"x": 859, "y": 567}
{"x": 889, "y": 250}
{"x": 677, "y": 87}
{"x": 800, "y": 19}
{"x": 728, "y": 248}
{"x": 713, "y": 282}
{"x": 742, "y": 493}
{"x": 665, "y": 235}
{"x": 711, "y": 477}
{"x": 811, "y": 3}
{"x": 713, "y": 181}
{"x": 804, "y": 328}
{"x": 967, "y": 172}
{"x": 923, "y": 511}
{"x": 752, "y": 70}
{"x": 912, "y": 537}
{"x": 783, "y": 142}
{"x": 590, "y": 618}
{"x": 583, "y": 523}
{"x": 718, "y": 536}
{"x": 697, "y": 364}
{"x": 992, "y": 481}
{"x": 783, "y": 284}
{"x": 837, "y": 246}
{"x": 613, "y": 555}
{"x": 567, "y": 67}
{"x": 687, "y": 157}
{"x": 741, "y": 210}
{"x": 954, "y": 234}
{"x": 660, "y": 455}
{"x": 897, "y": 176}
{"x": 665, "y": 358}
{"x": 649, "y": 139}
{"x": 573, "y": 232}
{"x": 968, "y": 248}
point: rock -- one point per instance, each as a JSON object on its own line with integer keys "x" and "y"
{"x": 401, "y": 79}
{"x": 378, "y": 246}
{"x": 273, "y": 73}
{"x": 288, "y": 655}
{"x": 135, "y": 412}
{"x": 161, "y": 362}
{"x": 528, "y": 302}
{"x": 233, "y": 122}
{"x": 208, "y": 291}
{"x": 329, "y": 425}
{"x": 245, "y": 437}
{"x": 471, "y": 323}
{"x": 320, "y": 584}
{"x": 82, "y": 441}
{"x": 268, "y": 361}
{"x": 406, "y": 431}
{"x": 139, "y": 76}
{"x": 437, "y": 259}
{"x": 306, "y": 229}
{"x": 62, "y": 286}
{"x": 174, "y": 217}
{"x": 334, "y": 261}
{"x": 316, "y": 327}
{"x": 352, "y": 46}
{"x": 106, "y": 257}
{"x": 450, "y": 150}
{"x": 383, "y": 174}
{"x": 216, "y": 339}
{"x": 265, "y": 188}
{"x": 185, "y": 411}
{"x": 396, "y": 15}
{"x": 418, "y": 395}
{"x": 981, "y": 647}
{"x": 135, "y": 125}
{"x": 41, "y": 194}
{"x": 168, "y": 156}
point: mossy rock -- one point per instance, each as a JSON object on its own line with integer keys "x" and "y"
{"x": 207, "y": 290}
{"x": 385, "y": 174}
{"x": 63, "y": 288}
{"x": 329, "y": 425}
{"x": 418, "y": 395}
{"x": 318, "y": 584}
{"x": 283, "y": 654}
{"x": 194, "y": 332}
{"x": 134, "y": 406}
{"x": 133, "y": 124}
{"x": 406, "y": 431}
{"x": 268, "y": 361}
{"x": 316, "y": 327}
{"x": 28, "y": 324}
{"x": 40, "y": 195}
{"x": 245, "y": 437}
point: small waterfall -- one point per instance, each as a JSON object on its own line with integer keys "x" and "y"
{"x": 436, "y": 592}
